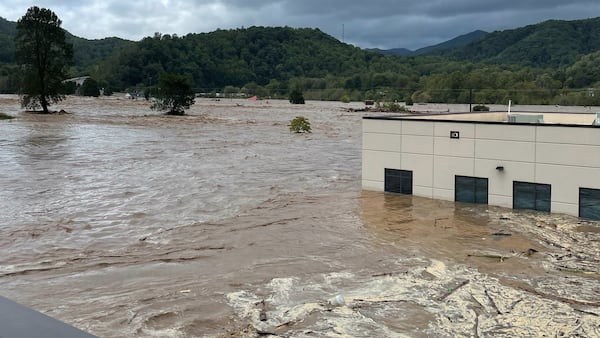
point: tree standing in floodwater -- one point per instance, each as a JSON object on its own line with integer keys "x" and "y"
{"x": 44, "y": 57}
{"x": 174, "y": 94}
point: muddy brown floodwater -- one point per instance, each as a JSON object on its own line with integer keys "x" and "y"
{"x": 126, "y": 223}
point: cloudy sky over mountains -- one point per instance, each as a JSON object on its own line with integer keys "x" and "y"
{"x": 376, "y": 23}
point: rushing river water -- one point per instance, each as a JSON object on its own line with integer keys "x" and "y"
{"x": 127, "y": 223}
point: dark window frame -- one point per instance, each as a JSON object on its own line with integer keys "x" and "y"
{"x": 538, "y": 202}
{"x": 402, "y": 176}
{"x": 476, "y": 182}
{"x": 592, "y": 190}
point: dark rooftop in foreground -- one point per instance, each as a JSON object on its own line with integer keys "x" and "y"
{"x": 18, "y": 321}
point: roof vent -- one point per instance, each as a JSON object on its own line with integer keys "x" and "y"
{"x": 526, "y": 118}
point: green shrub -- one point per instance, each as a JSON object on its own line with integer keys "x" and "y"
{"x": 300, "y": 124}
{"x": 481, "y": 107}
{"x": 108, "y": 91}
{"x": 345, "y": 98}
{"x": 4, "y": 116}
{"x": 296, "y": 96}
{"x": 90, "y": 88}
{"x": 392, "y": 107}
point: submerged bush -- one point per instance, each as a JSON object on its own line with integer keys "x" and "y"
{"x": 174, "y": 94}
{"x": 296, "y": 96}
{"x": 90, "y": 88}
{"x": 392, "y": 107}
{"x": 4, "y": 116}
{"x": 300, "y": 124}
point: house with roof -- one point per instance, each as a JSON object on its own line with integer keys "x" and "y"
{"x": 539, "y": 161}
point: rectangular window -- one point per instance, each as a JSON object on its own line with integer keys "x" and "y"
{"x": 532, "y": 196}
{"x": 589, "y": 203}
{"x": 398, "y": 181}
{"x": 471, "y": 189}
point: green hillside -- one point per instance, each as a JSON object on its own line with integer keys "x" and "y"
{"x": 237, "y": 57}
{"x": 551, "y": 43}
{"x": 393, "y": 51}
{"x": 555, "y": 62}
{"x": 457, "y": 42}
{"x": 86, "y": 53}
{"x": 8, "y": 30}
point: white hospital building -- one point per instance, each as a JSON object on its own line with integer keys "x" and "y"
{"x": 540, "y": 161}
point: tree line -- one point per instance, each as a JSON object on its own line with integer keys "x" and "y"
{"x": 270, "y": 62}
{"x": 42, "y": 54}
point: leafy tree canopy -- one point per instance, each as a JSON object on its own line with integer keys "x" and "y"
{"x": 296, "y": 96}
{"x": 90, "y": 88}
{"x": 300, "y": 124}
{"x": 44, "y": 57}
{"x": 174, "y": 94}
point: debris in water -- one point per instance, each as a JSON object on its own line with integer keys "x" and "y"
{"x": 492, "y": 256}
{"x": 263, "y": 312}
{"x": 530, "y": 252}
{"x": 452, "y": 290}
{"x": 338, "y": 300}
{"x": 501, "y": 234}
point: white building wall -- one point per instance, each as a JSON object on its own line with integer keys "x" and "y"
{"x": 380, "y": 150}
{"x": 564, "y": 157}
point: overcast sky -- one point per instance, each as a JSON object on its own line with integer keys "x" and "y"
{"x": 365, "y": 23}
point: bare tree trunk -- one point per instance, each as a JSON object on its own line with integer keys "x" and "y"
{"x": 44, "y": 104}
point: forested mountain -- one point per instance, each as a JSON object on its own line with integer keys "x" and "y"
{"x": 393, "y": 51}
{"x": 553, "y": 62}
{"x": 267, "y": 61}
{"x": 86, "y": 53}
{"x": 551, "y": 43}
{"x": 237, "y": 57}
{"x": 456, "y": 42}
{"x": 8, "y": 30}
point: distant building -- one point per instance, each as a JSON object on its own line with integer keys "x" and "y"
{"x": 539, "y": 161}
{"x": 78, "y": 80}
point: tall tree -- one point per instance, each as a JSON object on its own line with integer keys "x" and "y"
{"x": 44, "y": 57}
{"x": 174, "y": 94}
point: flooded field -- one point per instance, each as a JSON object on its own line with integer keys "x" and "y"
{"x": 127, "y": 223}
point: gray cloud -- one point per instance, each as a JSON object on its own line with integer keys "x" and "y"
{"x": 377, "y": 23}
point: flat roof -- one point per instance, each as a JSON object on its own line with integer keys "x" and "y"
{"x": 17, "y": 320}
{"x": 516, "y": 118}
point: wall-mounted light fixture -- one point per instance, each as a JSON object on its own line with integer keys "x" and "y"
{"x": 500, "y": 168}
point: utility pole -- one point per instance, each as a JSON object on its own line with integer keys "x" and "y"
{"x": 470, "y": 100}
{"x": 343, "y": 34}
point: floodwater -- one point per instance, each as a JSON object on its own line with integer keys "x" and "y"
{"x": 126, "y": 223}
